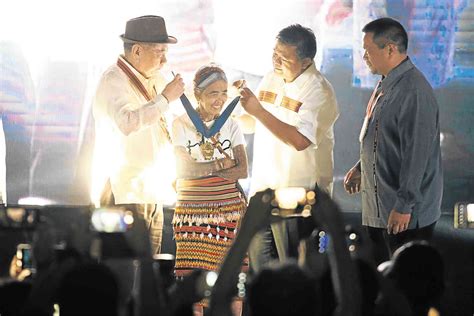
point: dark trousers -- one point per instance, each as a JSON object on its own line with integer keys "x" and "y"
{"x": 150, "y": 213}
{"x": 153, "y": 216}
{"x": 384, "y": 244}
{"x": 279, "y": 241}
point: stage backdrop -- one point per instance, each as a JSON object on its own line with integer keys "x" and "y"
{"x": 53, "y": 52}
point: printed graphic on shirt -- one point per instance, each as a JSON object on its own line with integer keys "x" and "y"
{"x": 209, "y": 148}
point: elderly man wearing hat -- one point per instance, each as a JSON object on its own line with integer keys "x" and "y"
{"x": 131, "y": 132}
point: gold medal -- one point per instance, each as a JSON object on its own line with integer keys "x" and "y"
{"x": 207, "y": 150}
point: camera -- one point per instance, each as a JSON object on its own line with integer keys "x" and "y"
{"x": 353, "y": 239}
{"x": 464, "y": 215}
{"x": 322, "y": 240}
{"x": 111, "y": 220}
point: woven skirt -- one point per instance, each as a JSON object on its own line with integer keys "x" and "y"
{"x": 206, "y": 220}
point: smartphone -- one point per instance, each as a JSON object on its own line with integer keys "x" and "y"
{"x": 24, "y": 254}
{"x": 111, "y": 220}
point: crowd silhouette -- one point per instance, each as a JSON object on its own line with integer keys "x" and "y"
{"x": 331, "y": 276}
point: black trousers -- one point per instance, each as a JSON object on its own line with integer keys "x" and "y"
{"x": 152, "y": 215}
{"x": 385, "y": 244}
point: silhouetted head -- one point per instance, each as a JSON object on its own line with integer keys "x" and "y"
{"x": 13, "y": 295}
{"x": 88, "y": 289}
{"x": 417, "y": 269}
{"x": 283, "y": 290}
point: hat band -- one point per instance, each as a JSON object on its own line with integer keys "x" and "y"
{"x": 162, "y": 39}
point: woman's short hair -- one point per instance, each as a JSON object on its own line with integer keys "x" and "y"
{"x": 206, "y": 75}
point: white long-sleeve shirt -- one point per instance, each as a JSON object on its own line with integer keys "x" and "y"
{"x": 3, "y": 168}
{"x": 130, "y": 143}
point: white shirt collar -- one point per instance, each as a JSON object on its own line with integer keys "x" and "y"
{"x": 300, "y": 81}
{"x": 149, "y": 83}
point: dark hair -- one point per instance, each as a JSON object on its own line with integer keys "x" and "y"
{"x": 14, "y": 295}
{"x": 285, "y": 289}
{"x": 418, "y": 271}
{"x": 88, "y": 289}
{"x": 301, "y": 37}
{"x": 388, "y": 30}
{"x": 127, "y": 47}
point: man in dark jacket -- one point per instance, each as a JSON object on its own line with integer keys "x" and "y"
{"x": 399, "y": 172}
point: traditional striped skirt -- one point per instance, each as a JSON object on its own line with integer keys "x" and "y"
{"x": 206, "y": 219}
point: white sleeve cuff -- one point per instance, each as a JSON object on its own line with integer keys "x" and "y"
{"x": 161, "y": 103}
{"x": 308, "y": 133}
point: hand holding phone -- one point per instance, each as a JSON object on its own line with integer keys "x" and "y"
{"x": 22, "y": 264}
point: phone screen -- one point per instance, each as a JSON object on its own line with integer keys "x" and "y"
{"x": 24, "y": 253}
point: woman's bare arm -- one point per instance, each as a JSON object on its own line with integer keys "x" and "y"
{"x": 188, "y": 168}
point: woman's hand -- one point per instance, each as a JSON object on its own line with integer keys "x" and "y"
{"x": 226, "y": 163}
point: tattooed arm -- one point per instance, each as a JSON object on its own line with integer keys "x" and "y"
{"x": 188, "y": 168}
{"x": 240, "y": 169}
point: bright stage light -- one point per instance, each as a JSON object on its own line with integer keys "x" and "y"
{"x": 289, "y": 198}
{"x": 111, "y": 220}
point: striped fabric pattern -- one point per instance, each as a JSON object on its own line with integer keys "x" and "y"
{"x": 206, "y": 220}
{"x": 286, "y": 102}
{"x": 139, "y": 85}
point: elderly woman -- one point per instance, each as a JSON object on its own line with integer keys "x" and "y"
{"x": 210, "y": 202}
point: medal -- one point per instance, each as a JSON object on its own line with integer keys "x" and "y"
{"x": 197, "y": 120}
{"x": 207, "y": 150}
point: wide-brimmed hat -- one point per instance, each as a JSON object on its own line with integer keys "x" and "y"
{"x": 147, "y": 29}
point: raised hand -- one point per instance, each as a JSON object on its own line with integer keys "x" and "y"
{"x": 174, "y": 89}
{"x": 250, "y": 102}
{"x": 239, "y": 84}
{"x": 257, "y": 217}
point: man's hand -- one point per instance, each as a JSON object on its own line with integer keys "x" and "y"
{"x": 397, "y": 222}
{"x": 250, "y": 102}
{"x": 352, "y": 181}
{"x": 16, "y": 271}
{"x": 174, "y": 89}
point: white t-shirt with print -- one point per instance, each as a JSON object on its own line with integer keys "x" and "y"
{"x": 185, "y": 134}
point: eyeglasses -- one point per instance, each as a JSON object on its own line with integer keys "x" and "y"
{"x": 157, "y": 49}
